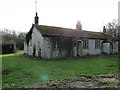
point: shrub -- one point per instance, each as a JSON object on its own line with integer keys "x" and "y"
{"x": 8, "y": 48}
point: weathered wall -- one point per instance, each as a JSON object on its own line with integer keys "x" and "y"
{"x": 115, "y": 47}
{"x": 54, "y": 48}
{"x": 106, "y": 48}
{"x": 61, "y": 47}
{"x": 91, "y": 49}
{"x": 47, "y": 48}
{"x": 25, "y": 48}
{"x": 37, "y": 43}
{"x": 74, "y": 51}
{"x": 84, "y": 52}
{"x": 30, "y": 48}
{"x": 42, "y": 47}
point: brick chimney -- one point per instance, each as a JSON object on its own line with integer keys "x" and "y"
{"x": 36, "y": 19}
{"x": 104, "y": 30}
{"x": 79, "y": 25}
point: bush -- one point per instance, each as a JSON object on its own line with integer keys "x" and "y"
{"x": 8, "y": 48}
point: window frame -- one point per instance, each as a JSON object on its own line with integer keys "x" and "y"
{"x": 85, "y": 44}
{"x": 97, "y": 44}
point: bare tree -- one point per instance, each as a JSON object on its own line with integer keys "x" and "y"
{"x": 11, "y": 36}
{"x": 119, "y": 38}
{"x": 112, "y": 29}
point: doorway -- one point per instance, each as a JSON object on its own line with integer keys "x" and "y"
{"x": 111, "y": 48}
{"x": 79, "y": 48}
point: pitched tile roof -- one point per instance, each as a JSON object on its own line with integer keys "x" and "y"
{"x": 66, "y": 32}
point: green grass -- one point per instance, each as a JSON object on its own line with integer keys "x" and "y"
{"x": 43, "y": 71}
{"x": 109, "y": 86}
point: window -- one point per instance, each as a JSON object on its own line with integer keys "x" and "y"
{"x": 97, "y": 44}
{"x": 85, "y": 44}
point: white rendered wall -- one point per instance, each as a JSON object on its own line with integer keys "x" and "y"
{"x": 84, "y": 52}
{"x": 92, "y": 50}
{"x": 115, "y": 47}
{"x": 47, "y": 48}
{"x": 106, "y": 48}
{"x": 30, "y": 52}
{"x": 25, "y": 48}
{"x": 74, "y": 51}
{"x": 43, "y": 43}
{"x": 52, "y": 54}
{"x": 37, "y": 38}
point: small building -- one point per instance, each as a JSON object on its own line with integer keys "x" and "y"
{"x": 8, "y": 48}
{"x": 48, "y": 42}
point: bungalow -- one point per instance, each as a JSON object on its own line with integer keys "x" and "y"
{"x": 48, "y": 42}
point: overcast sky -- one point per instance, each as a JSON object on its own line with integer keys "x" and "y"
{"x": 93, "y": 14}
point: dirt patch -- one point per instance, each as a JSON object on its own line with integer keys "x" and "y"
{"x": 105, "y": 76}
{"x": 109, "y": 79}
{"x": 112, "y": 66}
{"x": 6, "y": 72}
{"x": 85, "y": 81}
{"x": 28, "y": 74}
{"x": 82, "y": 81}
{"x": 79, "y": 84}
{"x": 86, "y": 76}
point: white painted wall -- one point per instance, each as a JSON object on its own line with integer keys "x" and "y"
{"x": 115, "y": 47}
{"x": 37, "y": 38}
{"x": 92, "y": 50}
{"x": 30, "y": 48}
{"x": 57, "y": 54}
{"x": 25, "y": 48}
{"x": 74, "y": 51}
{"x": 46, "y": 47}
{"x": 106, "y": 48}
{"x": 84, "y": 52}
{"x": 52, "y": 54}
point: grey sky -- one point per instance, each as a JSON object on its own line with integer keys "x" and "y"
{"x": 93, "y": 14}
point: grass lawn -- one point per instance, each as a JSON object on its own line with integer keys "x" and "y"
{"x": 22, "y": 71}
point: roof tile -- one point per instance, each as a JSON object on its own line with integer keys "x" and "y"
{"x": 66, "y": 32}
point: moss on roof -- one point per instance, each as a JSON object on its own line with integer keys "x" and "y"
{"x": 66, "y": 32}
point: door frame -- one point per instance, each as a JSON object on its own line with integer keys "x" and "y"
{"x": 79, "y": 48}
{"x": 111, "y": 47}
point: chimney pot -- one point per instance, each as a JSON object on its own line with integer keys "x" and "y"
{"x": 79, "y": 25}
{"x": 36, "y": 19}
{"x": 104, "y": 30}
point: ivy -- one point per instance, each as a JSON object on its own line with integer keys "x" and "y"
{"x": 61, "y": 44}
{"x": 28, "y": 36}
